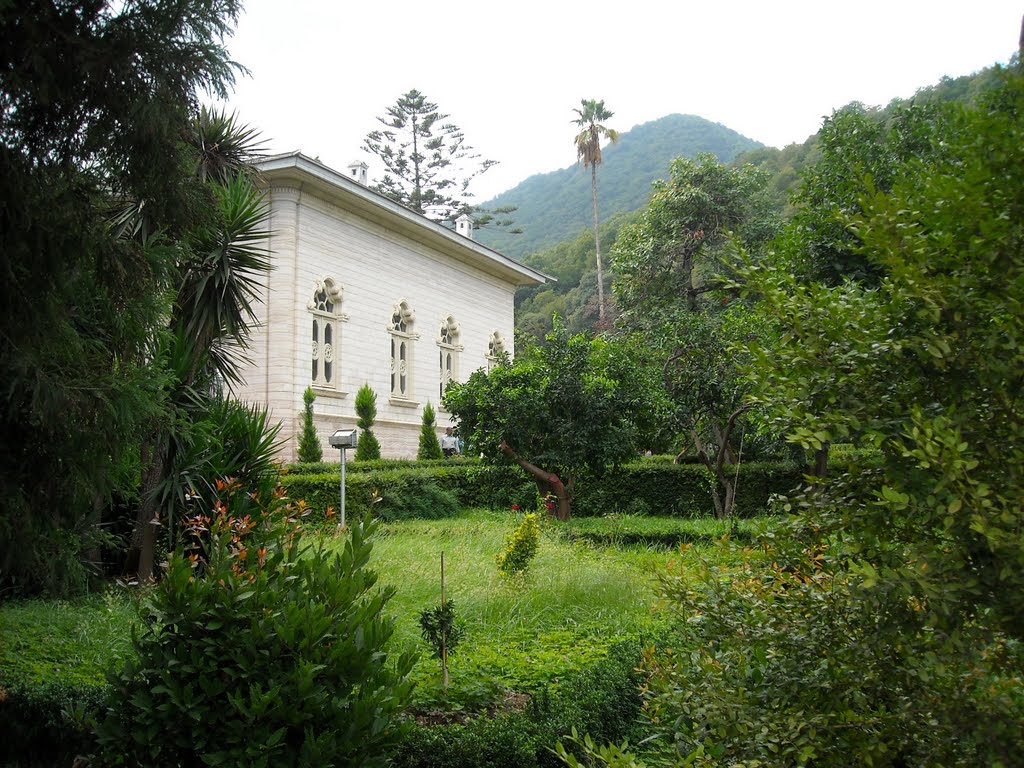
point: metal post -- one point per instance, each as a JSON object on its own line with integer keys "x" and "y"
{"x": 342, "y": 523}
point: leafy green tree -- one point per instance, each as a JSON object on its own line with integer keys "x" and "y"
{"x": 862, "y": 151}
{"x": 310, "y": 449}
{"x": 927, "y": 368}
{"x": 428, "y": 166}
{"x": 94, "y": 101}
{"x": 430, "y": 447}
{"x": 368, "y": 448}
{"x": 590, "y": 117}
{"x": 571, "y": 405}
{"x": 669, "y": 266}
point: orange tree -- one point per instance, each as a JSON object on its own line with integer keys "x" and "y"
{"x": 569, "y": 406}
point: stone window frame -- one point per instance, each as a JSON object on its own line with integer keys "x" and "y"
{"x": 448, "y": 336}
{"x": 402, "y": 334}
{"x": 325, "y": 356}
{"x": 495, "y": 349}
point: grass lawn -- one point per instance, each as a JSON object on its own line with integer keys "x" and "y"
{"x": 578, "y": 598}
{"x": 520, "y": 634}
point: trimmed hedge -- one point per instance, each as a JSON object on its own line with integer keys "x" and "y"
{"x": 665, "y": 532}
{"x": 436, "y": 489}
{"x": 427, "y": 489}
{"x": 680, "y": 490}
{"x": 602, "y": 700}
{"x": 47, "y": 724}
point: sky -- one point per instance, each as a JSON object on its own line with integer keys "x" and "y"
{"x": 510, "y": 74}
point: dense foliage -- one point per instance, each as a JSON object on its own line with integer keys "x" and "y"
{"x": 281, "y": 654}
{"x": 669, "y": 266}
{"x": 883, "y": 626}
{"x": 927, "y": 367}
{"x": 97, "y": 123}
{"x": 558, "y": 410}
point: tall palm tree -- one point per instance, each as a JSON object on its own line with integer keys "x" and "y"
{"x": 588, "y": 151}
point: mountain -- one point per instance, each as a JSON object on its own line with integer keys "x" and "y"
{"x": 555, "y": 206}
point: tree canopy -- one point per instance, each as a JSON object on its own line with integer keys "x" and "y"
{"x": 926, "y": 367}
{"x": 96, "y": 103}
{"x": 669, "y": 266}
{"x": 558, "y": 409}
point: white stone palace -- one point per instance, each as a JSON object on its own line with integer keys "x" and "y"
{"x": 363, "y": 290}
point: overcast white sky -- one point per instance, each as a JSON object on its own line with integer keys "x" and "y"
{"x": 510, "y": 74}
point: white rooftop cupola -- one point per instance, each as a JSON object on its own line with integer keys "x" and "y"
{"x": 464, "y": 226}
{"x": 357, "y": 171}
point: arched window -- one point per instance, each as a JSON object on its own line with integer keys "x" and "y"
{"x": 402, "y": 336}
{"x": 325, "y": 307}
{"x": 448, "y": 353}
{"x": 495, "y": 349}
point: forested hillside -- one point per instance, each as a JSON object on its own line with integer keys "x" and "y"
{"x": 553, "y": 207}
{"x": 562, "y": 197}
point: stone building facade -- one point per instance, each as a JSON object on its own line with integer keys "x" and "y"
{"x": 364, "y": 290}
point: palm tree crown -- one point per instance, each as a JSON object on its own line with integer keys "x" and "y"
{"x": 588, "y": 140}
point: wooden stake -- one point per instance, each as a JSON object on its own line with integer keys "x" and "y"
{"x": 444, "y": 645}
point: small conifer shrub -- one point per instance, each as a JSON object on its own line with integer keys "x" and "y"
{"x": 310, "y": 450}
{"x": 430, "y": 447}
{"x": 367, "y": 448}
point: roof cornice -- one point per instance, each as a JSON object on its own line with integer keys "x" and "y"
{"x": 296, "y": 170}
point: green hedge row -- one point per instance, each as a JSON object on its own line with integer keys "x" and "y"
{"x": 681, "y": 490}
{"x": 46, "y": 724}
{"x": 602, "y": 700}
{"x": 437, "y": 489}
{"x": 666, "y": 532}
{"x": 414, "y": 490}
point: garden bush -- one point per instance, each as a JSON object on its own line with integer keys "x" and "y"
{"x": 603, "y": 699}
{"x": 253, "y": 653}
{"x": 788, "y": 665}
{"x": 520, "y": 547}
{"x": 47, "y": 723}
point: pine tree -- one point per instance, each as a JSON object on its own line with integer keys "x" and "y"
{"x": 428, "y": 166}
{"x": 310, "y": 450}
{"x": 430, "y": 447}
{"x": 366, "y": 409}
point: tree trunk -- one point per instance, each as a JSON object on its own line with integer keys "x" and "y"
{"x": 597, "y": 245}
{"x": 821, "y": 461}
{"x": 820, "y": 470}
{"x": 547, "y": 482}
{"x": 141, "y": 557}
{"x": 725, "y": 499}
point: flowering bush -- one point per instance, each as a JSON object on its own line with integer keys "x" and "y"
{"x": 255, "y": 651}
